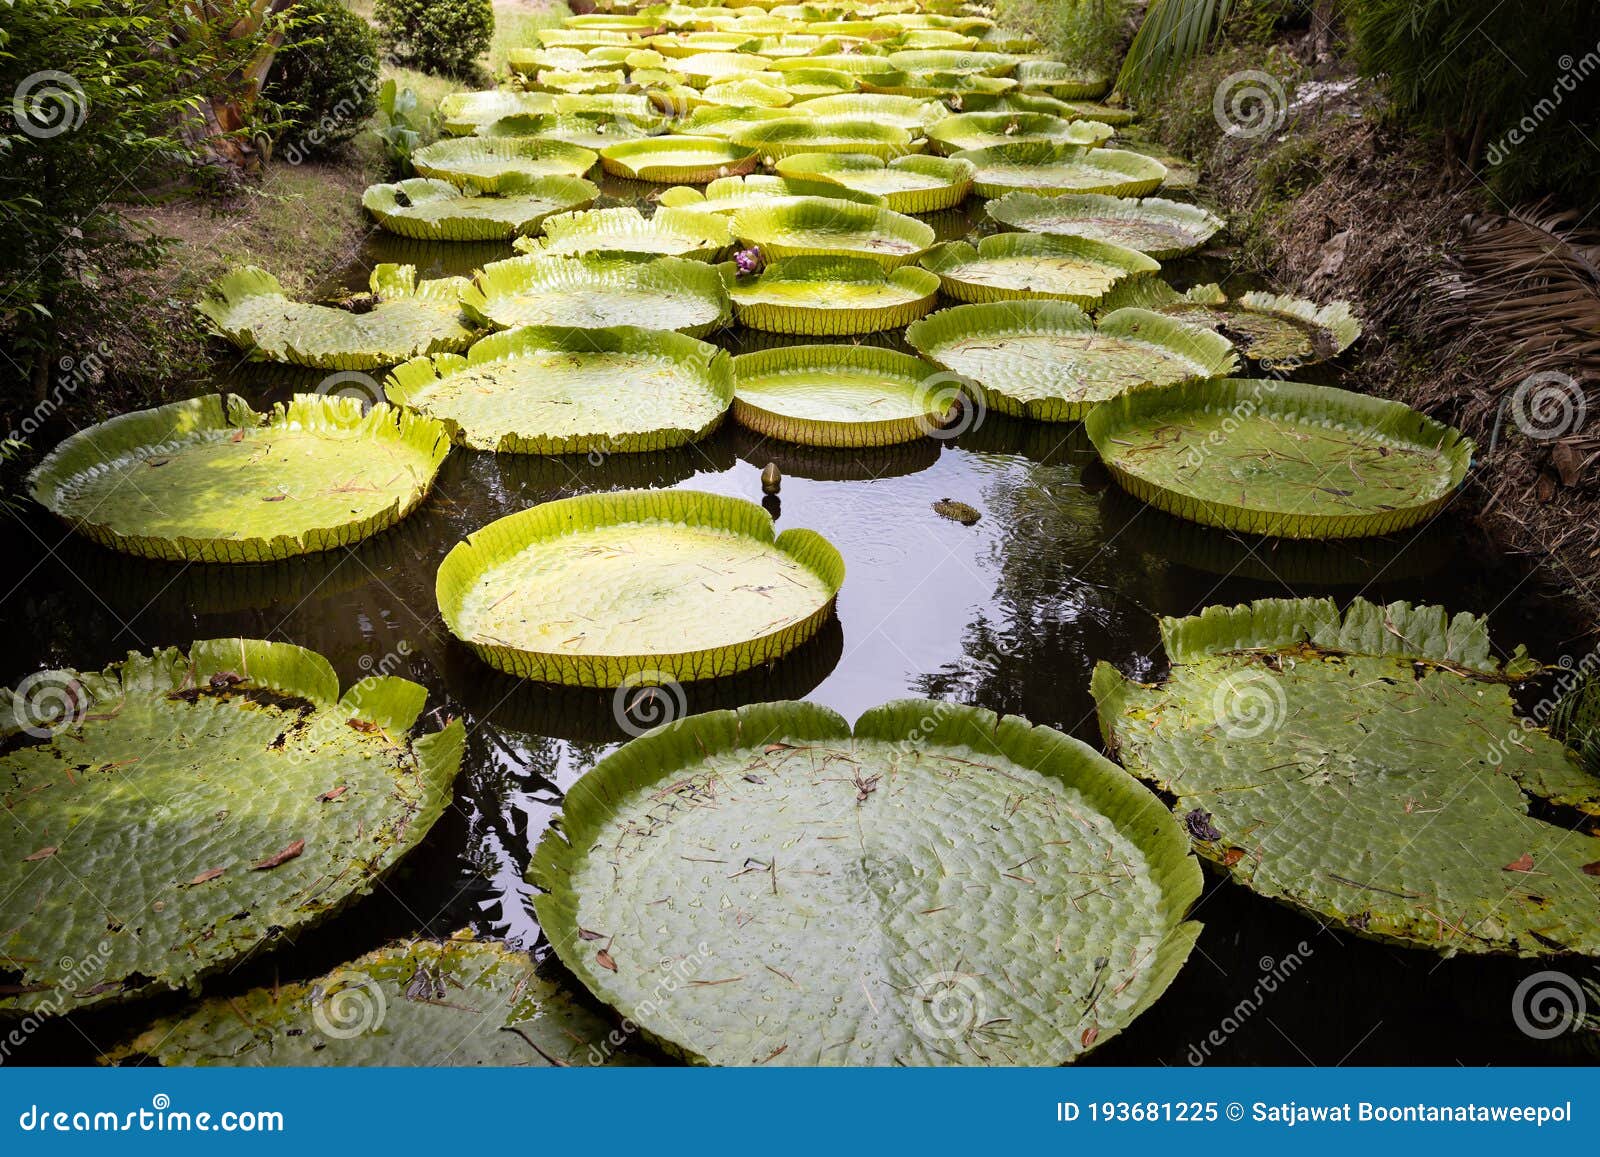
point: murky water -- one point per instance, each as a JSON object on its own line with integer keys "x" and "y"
{"x": 1063, "y": 570}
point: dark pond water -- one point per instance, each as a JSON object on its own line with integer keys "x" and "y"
{"x": 1011, "y": 614}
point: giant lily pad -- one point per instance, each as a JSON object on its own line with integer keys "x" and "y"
{"x": 578, "y": 80}
{"x": 982, "y": 130}
{"x": 761, "y": 91}
{"x": 1273, "y": 330}
{"x": 625, "y": 232}
{"x": 1369, "y": 770}
{"x": 1281, "y": 459}
{"x": 581, "y": 130}
{"x": 1046, "y": 360}
{"x": 174, "y": 812}
{"x": 487, "y": 162}
{"x": 458, "y": 1002}
{"x": 664, "y": 584}
{"x": 705, "y": 68}
{"x": 839, "y": 395}
{"x": 823, "y": 225}
{"x": 681, "y": 160}
{"x": 730, "y": 194}
{"x": 1065, "y": 81}
{"x": 1053, "y": 169}
{"x": 431, "y": 210}
{"x": 466, "y": 112}
{"x": 914, "y": 184}
{"x": 211, "y": 480}
{"x": 1158, "y": 227}
{"x": 403, "y": 317}
{"x": 798, "y": 134}
{"x": 804, "y": 83}
{"x": 937, "y": 60}
{"x": 548, "y": 390}
{"x": 867, "y": 898}
{"x": 951, "y": 85}
{"x": 668, "y": 293}
{"x": 855, "y": 64}
{"x": 905, "y": 112}
{"x": 826, "y": 295}
{"x": 1030, "y": 266}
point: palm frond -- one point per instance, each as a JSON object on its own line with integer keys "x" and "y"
{"x": 1172, "y": 34}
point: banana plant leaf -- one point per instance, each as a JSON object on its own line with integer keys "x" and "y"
{"x": 402, "y": 318}
{"x": 1046, "y": 360}
{"x": 1031, "y": 266}
{"x": 211, "y": 480}
{"x": 1280, "y": 458}
{"x": 597, "y": 292}
{"x": 430, "y": 210}
{"x": 914, "y": 184}
{"x": 174, "y": 813}
{"x": 644, "y": 584}
{"x": 941, "y": 887}
{"x": 829, "y": 295}
{"x": 544, "y": 390}
{"x": 1368, "y": 769}
{"x": 840, "y": 395}
{"x": 458, "y": 1002}
{"x": 1161, "y": 228}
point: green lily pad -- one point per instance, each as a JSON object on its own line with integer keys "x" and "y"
{"x": 915, "y": 184}
{"x": 748, "y": 92}
{"x": 1419, "y": 830}
{"x": 667, "y": 293}
{"x": 1272, "y": 330}
{"x": 1030, "y": 266}
{"x": 727, "y": 123}
{"x": 548, "y": 390}
{"x": 578, "y": 80}
{"x": 425, "y": 1003}
{"x": 730, "y": 194}
{"x": 641, "y": 584}
{"x": 1065, "y": 81}
{"x": 823, "y": 225}
{"x": 589, "y": 131}
{"x": 790, "y": 45}
{"x": 1113, "y": 115}
{"x": 982, "y": 130}
{"x": 465, "y": 112}
{"x": 679, "y": 44}
{"x": 856, "y": 64}
{"x": 867, "y": 899}
{"x": 1054, "y": 169}
{"x": 933, "y": 85}
{"x": 840, "y": 395}
{"x": 903, "y": 112}
{"x": 804, "y": 83}
{"x": 211, "y": 480}
{"x": 832, "y": 296}
{"x": 431, "y": 210}
{"x": 800, "y": 134}
{"x": 527, "y": 61}
{"x": 934, "y": 38}
{"x": 937, "y": 60}
{"x": 174, "y": 812}
{"x": 1279, "y": 458}
{"x": 1161, "y": 228}
{"x": 487, "y": 162}
{"x": 582, "y": 38}
{"x": 680, "y": 160}
{"x": 705, "y": 68}
{"x": 404, "y": 317}
{"x": 625, "y": 232}
{"x": 1046, "y": 360}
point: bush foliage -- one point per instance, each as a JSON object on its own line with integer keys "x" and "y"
{"x": 324, "y": 79}
{"x": 445, "y": 37}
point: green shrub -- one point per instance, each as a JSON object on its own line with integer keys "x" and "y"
{"x": 1085, "y": 32}
{"x": 445, "y": 37}
{"x": 325, "y": 79}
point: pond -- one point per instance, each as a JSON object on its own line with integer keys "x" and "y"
{"x": 1062, "y": 570}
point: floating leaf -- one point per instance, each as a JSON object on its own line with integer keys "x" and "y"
{"x": 1151, "y": 225}
{"x": 679, "y": 160}
{"x": 1272, "y": 330}
{"x": 838, "y": 395}
{"x": 1031, "y": 266}
{"x": 938, "y": 840}
{"x": 598, "y": 292}
{"x": 1402, "y": 834}
{"x": 822, "y": 225}
{"x": 1051, "y": 170}
{"x": 625, "y": 232}
{"x": 206, "y": 775}
{"x": 982, "y": 130}
{"x": 914, "y": 114}
{"x": 430, "y": 210}
{"x": 487, "y": 162}
{"x": 914, "y": 184}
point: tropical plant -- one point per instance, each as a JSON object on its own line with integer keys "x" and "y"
{"x": 445, "y": 37}
{"x": 324, "y": 79}
{"x": 407, "y": 125}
